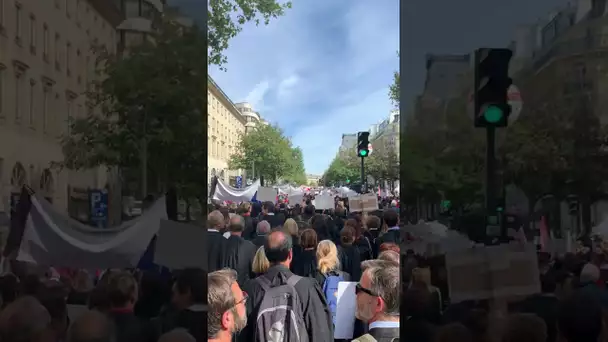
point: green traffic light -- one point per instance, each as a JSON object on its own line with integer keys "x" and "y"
{"x": 493, "y": 114}
{"x": 363, "y": 153}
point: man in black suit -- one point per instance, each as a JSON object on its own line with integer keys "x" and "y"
{"x": 378, "y": 299}
{"x": 268, "y": 214}
{"x": 240, "y": 252}
{"x": 216, "y": 242}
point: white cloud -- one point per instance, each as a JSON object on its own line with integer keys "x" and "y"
{"x": 320, "y": 71}
{"x": 256, "y": 95}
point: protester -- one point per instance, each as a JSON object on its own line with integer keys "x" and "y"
{"x": 378, "y": 300}
{"x": 227, "y": 315}
{"x": 25, "y": 319}
{"x": 262, "y": 229}
{"x": 239, "y": 252}
{"x": 92, "y": 326}
{"x": 350, "y": 258}
{"x": 306, "y": 264}
{"x": 216, "y": 245}
{"x": 314, "y": 316}
{"x": 260, "y": 262}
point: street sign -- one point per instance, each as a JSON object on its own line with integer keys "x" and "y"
{"x": 99, "y": 208}
{"x": 239, "y": 181}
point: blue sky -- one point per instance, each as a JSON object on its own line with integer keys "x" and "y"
{"x": 320, "y": 71}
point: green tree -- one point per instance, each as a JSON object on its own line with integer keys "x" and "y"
{"x": 225, "y": 19}
{"x": 341, "y": 169}
{"x": 147, "y": 110}
{"x": 297, "y": 174}
{"x": 267, "y": 150}
{"x": 394, "y": 91}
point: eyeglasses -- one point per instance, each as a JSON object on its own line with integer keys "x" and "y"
{"x": 359, "y": 289}
{"x": 244, "y": 300}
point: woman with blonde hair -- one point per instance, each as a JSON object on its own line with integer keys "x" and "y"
{"x": 260, "y": 263}
{"x": 329, "y": 274}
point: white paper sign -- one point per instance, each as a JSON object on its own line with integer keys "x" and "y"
{"x": 345, "y": 310}
{"x": 181, "y": 245}
{"x": 266, "y": 194}
{"x": 296, "y": 199}
{"x": 324, "y": 202}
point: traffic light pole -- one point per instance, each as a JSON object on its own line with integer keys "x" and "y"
{"x": 363, "y": 183}
{"x": 492, "y": 215}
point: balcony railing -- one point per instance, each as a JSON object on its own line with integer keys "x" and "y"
{"x": 590, "y": 43}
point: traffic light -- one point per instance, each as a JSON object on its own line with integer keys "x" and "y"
{"x": 363, "y": 144}
{"x": 490, "y": 87}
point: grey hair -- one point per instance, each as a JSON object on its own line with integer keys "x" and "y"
{"x": 215, "y": 219}
{"x": 385, "y": 283}
{"x": 263, "y": 227}
{"x": 220, "y": 298}
{"x": 368, "y": 264}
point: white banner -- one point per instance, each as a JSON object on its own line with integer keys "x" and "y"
{"x": 224, "y": 192}
{"x": 53, "y": 239}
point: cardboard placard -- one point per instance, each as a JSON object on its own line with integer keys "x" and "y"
{"x": 363, "y": 203}
{"x": 324, "y": 202}
{"x": 507, "y": 270}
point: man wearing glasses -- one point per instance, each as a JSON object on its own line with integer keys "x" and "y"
{"x": 378, "y": 299}
{"x": 227, "y": 314}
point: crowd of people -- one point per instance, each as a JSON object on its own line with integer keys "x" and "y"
{"x": 275, "y": 270}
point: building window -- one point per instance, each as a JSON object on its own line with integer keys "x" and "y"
{"x": 57, "y": 52}
{"x": 32, "y": 104}
{"x": 2, "y": 3}
{"x": 68, "y": 53}
{"x": 69, "y": 104}
{"x": 18, "y": 96}
{"x": 45, "y": 108}
{"x": 33, "y": 34}
{"x": 45, "y": 42}
{"x": 18, "y": 22}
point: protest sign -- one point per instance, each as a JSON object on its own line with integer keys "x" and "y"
{"x": 180, "y": 245}
{"x": 324, "y": 202}
{"x": 296, "y": 199}
{"x": 363, "y": 203}
{"x": 478, "y": 273}
{"x": 345, "y": 311}
{"x": 266, "y": 194}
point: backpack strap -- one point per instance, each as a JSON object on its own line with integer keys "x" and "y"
{"x": 293, "y": 280}
{"x": 264, "y": 282}
{"x": 366, "y": 338}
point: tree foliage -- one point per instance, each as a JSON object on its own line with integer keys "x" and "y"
{"x": 154, "y": 96}
{"x": 271, "y": 154}
{"x": 394, "y": 91}
{"x": 225, "y": 19}
{"x": 342, "y": 169}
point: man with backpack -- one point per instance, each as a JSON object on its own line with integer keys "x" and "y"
{"x": 283, "y": 306}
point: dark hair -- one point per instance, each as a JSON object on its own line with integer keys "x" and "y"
{"x": 580, "y": 318}
{"x": 391, "y": 217}
{"x": 309, "y": 209}
{"x": 373, "y": 222}
{"x": 193, "y": 280}
{"x": 53, "y": 298}
{"x": 9, "y": 288}
{"x": 278, "y": 253}
{"x": 347, "y": 235}
{"x": 389, "y": 246}
{"x": 269, "y": 206}
{"x": 548, "y": 282}
{"x": 308, "y": 239}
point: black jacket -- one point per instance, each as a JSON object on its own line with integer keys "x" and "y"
{"x": 240, "y": 254}
{"x": 305, "y": 265}
{"x": 386, "y": 334}
{"x": 316, "y": 313}
{"x": 259, "y": 240}
{"x": 350, "y": 261}
{"x": 276, "y": 220}
{"x": 216, "y": 250}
